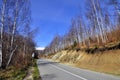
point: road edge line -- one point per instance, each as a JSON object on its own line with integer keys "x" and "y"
{"x": 68, "y": 72}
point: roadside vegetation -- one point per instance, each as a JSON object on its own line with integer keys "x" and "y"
{"x": 12, "y": 73}
{"x": 36, "y": 74}
{"x": 16, "y": 39}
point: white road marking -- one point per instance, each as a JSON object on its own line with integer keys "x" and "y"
{"x": 69, "y": 72}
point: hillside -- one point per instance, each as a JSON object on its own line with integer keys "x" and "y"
{"x": 107, "y": 61}
{"x": 92, "y": 40}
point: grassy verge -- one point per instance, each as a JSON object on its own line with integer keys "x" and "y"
{"x": 12, "y": 73}
{"x": 36, "y": 74}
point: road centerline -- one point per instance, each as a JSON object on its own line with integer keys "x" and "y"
{"x": 68, "y": 72}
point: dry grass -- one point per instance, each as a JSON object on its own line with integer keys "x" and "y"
{"x": 107, "y": 62}
{"x": 11, "y": 73}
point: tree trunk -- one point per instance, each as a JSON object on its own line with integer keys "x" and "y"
{"x": 0, "y": 54}
{"x": 11, "y": 56}
{"x": 98, "y": 23}
{"x": 13, "y": 33}
{"x": 2, "y": 26}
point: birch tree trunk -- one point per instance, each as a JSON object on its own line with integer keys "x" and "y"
{"x": 1, "y": 54}
{"x": 98, "y": 23}
{"x": 13, "y": 33}
{"x": 1, "y": 31}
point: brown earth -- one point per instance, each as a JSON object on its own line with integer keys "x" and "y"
{"x": 107, "y": 61}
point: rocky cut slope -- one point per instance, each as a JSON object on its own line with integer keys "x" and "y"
{"x": 107, "y": 61}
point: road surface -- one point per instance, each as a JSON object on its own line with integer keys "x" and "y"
{"x": 54, "y": 71}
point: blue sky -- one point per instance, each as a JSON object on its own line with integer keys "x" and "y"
{"x": 52, "y": 17}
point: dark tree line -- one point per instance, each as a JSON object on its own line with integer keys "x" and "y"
{"x": 97, "y": 26}
{"x": 16, "y": 44}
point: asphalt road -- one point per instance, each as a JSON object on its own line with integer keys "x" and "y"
{"x": 54, "y": 71}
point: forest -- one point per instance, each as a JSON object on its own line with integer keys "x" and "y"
{"x": 16, "y": 43}
{"x": 96, "y": 27}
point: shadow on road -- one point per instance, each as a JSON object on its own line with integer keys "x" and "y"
{"x": 48, "y": 76}
{"x": 43, "y": 63}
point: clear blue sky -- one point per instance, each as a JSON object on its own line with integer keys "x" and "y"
{"x": 52, "y": 17}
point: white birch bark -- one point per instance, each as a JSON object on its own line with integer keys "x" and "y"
{"x": 13, "y": 33}
{"x": 98, "y": 23}
{"x": 1, "y": 31}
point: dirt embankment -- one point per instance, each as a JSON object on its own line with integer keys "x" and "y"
{"x": 107, "y": 61}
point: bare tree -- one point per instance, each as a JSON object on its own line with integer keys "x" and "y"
{"x": 100, "y": 26}
{"x": 1, "y": 28}
{"x": 13, "y": 32}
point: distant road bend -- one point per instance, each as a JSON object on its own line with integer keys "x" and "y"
{"x": 55, "y": 71}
